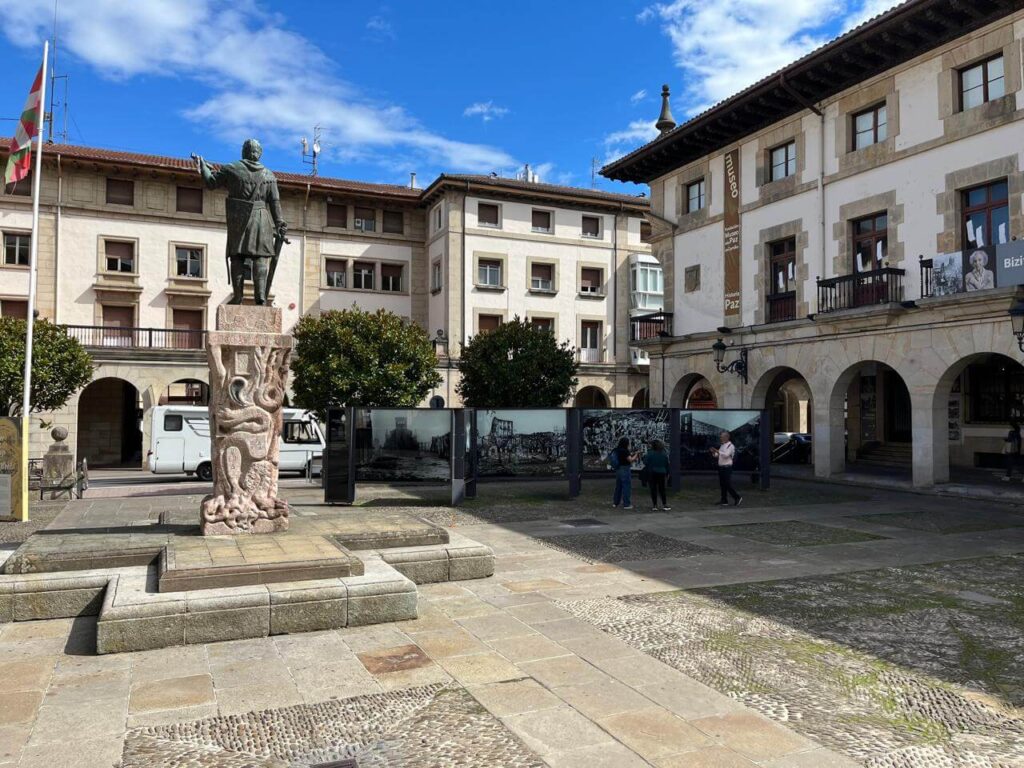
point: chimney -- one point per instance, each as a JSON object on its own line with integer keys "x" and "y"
{"x": 412, "y": 180}
{"x": 665, "y": 120}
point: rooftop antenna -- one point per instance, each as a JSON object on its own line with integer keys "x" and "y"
{"x": 62, "y": 135}
{"x": 311, "y": 154}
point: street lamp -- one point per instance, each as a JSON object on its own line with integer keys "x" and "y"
{"x": 1017, "y": 320}
{"x": 737, "y": 366}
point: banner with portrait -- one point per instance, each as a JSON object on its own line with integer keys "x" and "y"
{"x": 979, "y": 268}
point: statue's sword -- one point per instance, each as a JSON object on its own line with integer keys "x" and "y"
{"x": 279, "y": 242}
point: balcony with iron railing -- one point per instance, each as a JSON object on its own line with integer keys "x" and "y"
{"x": 651, "y": 326}
{"x": 109, "y": 337}
{"x": 861, "y": 289}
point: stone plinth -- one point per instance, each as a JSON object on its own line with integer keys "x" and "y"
{"x": 249, "y": 358}
{"x": 59, "y": 465}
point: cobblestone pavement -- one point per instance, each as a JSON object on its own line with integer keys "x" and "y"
{"x": 903, "y": 649}
{"x": 794, "y": 533}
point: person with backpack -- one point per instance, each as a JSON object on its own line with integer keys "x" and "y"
{"x": 621, "y": 460}
{"x": 656, "y": 470}
{"x": 1011, "y": 449}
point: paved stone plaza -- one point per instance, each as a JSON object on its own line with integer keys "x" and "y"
{"x": 813, "y": 626}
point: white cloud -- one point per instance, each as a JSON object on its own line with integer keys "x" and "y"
{"x": 381, "y": 27}
{"x": 485, "y": 110}
{"x": 257, "y": 77}
{"x": 622, "y": 142}
{"x": 639, "y": 96}
{"x": 725, "y": 46}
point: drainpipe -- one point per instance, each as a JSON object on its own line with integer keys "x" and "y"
{"x": 821, "y": 161}
{"x": 615, "y": 279}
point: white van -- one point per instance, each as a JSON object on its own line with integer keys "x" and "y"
{"x": 181, "y": 441}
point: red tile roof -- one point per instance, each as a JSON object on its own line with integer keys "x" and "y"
{"x": 519, "y": 185}
{"x": 321, "y": 183}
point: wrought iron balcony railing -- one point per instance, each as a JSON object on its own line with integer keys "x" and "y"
{"x": 136, "y": 338}
{"x": 650, "y": 326}
{"x": 861, "y": 289}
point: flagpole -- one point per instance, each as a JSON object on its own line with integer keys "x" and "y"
{"x": 26, "y": 396}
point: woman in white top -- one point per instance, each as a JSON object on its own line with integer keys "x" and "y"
{"x": 725, "y": 454}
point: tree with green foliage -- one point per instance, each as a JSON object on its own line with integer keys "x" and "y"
{"x": 352, "y": 357}
{"x": 517, "y": 366}
{"x": 60, "y": 366}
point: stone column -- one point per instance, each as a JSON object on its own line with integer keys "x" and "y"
{"x": 249, "y": 358}
{"x": 59, "y": 465}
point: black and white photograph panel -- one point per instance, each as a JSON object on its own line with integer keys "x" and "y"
{"x": 603, "y": 429}
{"x": 521, "y": 443}
{"x": 402, "y": 444}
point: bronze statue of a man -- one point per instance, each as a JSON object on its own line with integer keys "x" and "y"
{"x": 256, "y": 228}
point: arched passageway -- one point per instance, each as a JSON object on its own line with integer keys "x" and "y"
{"x": 785, "y": 394}
{"x": 110, "y": 424}
{"x": 694, "y": 391}
{"x": 975, "y": 402}
{"x": 871, "y": 420}
{"x": 591, "y": 397}
{"x": 642, "y": 399}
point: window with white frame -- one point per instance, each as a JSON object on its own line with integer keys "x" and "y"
{"x": 188, "y": 261}
{"x": 391, "y": 277}
{"x": 435, "y": 276}
{"x": 695, "y": 196}
{"x": 542, "y": 277}
{"x": 488, "y": 273}
{"x": 17, "y": 247}
{"x": 334, "y": 270}
{"x": 592, "y": 281}
{"x": 437, "y": 216}
{"x": 365, "y": 220}
{"x": 592, "y": 226}
{"x": 590, "y": 341}
{"x": 647, "y": 286}
{"x": 362, "y": 275}
{"x": 119, "y": 256}
{"x": 541, "y": 221}
{"x": 782, "y": 161}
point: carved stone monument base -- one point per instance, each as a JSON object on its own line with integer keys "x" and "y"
{"x": 249, "y": 359}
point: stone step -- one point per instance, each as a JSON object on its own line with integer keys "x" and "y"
{"x": 134, "y": 615}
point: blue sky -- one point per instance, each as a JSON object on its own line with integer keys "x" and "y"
{"x": 403, "y": 86}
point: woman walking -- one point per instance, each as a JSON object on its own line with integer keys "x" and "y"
{"x": 621, "y": 461}
{"x": 656, "y": 467}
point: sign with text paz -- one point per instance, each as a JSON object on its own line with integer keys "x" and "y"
{"x": 11, "y": 470}
{"x": 731, "y": 240}
{"x": 1010, "y": 264}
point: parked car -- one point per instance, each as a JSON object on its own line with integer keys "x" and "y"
{"x": 792, "y": 448}
{"x": 181, "y": 441}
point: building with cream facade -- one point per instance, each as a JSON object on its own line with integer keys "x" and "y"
{"x": 850, "y": 225}
{"x": 131, "y": 261}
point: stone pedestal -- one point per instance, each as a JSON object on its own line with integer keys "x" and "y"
{"x": 249, "y": 359}
{"x": 59, "y": 465}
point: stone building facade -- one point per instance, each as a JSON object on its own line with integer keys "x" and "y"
{"x": 828, "y": 220}
{"x": 131, "y": 260}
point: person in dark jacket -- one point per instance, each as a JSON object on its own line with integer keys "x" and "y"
{"x": 1011, "y": 449}
{"x": 622, "y": 462}
{"x": 656, "y": 466}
